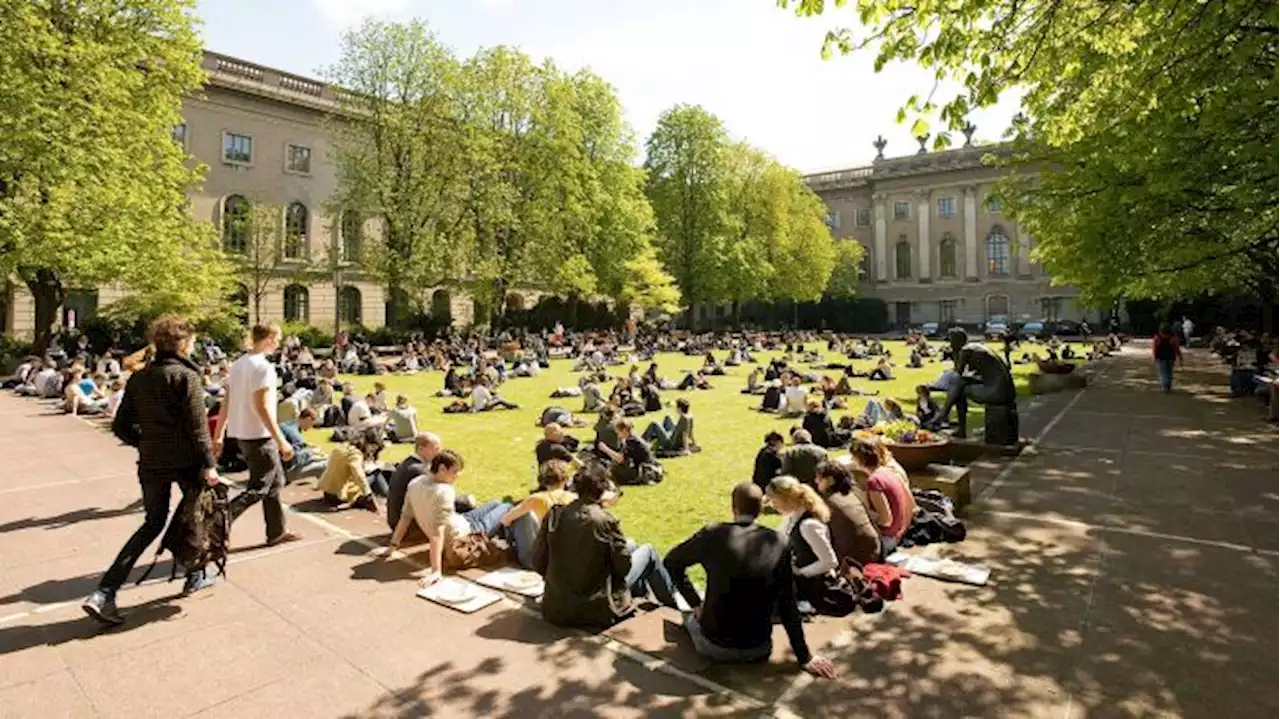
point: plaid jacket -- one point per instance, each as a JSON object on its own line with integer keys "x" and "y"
{"x": 163, "y": 415}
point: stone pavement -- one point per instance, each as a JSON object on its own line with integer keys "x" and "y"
{"x": 1134, "y": 573}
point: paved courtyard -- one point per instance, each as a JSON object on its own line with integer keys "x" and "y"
{"x": 1134, "y": 573}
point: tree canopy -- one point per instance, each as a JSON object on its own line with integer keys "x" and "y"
{"x": 1144, "y": 157}
{"x": 89, "y": 95}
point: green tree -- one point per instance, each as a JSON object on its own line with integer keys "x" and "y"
{"x": 648, "y": 286}
{"x": 689, "y": 186}
{"x": 92, "y": 185}
{"x": 401, "y": 154}
{"x": 846, "y": 275}
{"x": 1145, "y": 150}
{"x": 267, "y": 253}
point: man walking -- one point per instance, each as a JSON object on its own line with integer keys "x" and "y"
{"x": 248, "y": 417}
{"x": 162, "y": 414}
{"x": 1165, "y": 350}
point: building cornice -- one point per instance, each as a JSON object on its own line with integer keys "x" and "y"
{"x": 229, "y": 73}
{"x": 965, "y": 158}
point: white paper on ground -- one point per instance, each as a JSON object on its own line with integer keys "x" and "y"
{"x": 444, "y": 590}
{"x": 511, "y": 579}
{"x": 944, "y": 569}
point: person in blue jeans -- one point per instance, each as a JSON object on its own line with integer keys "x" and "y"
{"x": 1165, "y": 350}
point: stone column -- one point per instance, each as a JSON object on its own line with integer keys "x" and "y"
{"x": 881, "y": 251}
{"x": 1024, "y": 254}
{"x": 971, "y": 233}
{"x": 923, "y": 242}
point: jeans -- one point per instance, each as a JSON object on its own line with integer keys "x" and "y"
{"x": 487, "y": 518}
{"x": 522, "y": 534}
{"x": 647, "y": 574}
{"x": 307, "y": 463}
{"x": 664, "y": 434}
{"x": 1164, "y": 368}
{"x": 266, "y": 477}
{"x": 156, "y": 491}
{"x": 717, "y": 653}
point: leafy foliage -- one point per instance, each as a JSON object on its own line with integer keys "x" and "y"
{"x": 648, "y": 286}
{"x": 1146, "y": 146}
{"x": 89, "y": 95}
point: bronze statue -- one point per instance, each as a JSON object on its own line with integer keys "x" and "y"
{"x": 985, "y": 379}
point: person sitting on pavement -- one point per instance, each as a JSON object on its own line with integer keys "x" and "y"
{"x": 634, "y": 463}
{"x": 802, "y": 458}
{"x": 593, "y": 574}
{"x": 425, "y": 447}
{"x": 748, "y": 568}
{"x": 673, "y": 438}
{"x": 892, "y": 506}
{"x": 768, "y": 462}
{"x": 804, "y": 523}
{"x": 430, "y": 502}
{"x": 351, "y": 478}
{"x": 524, "y": 520}
{"x": 853, "y": 535}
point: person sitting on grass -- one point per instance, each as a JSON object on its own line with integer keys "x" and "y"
{"x": 883, "y": 371}
{"x": 768, "y": 462}
{"x": 916, "y": 360}
{"x": 890, "y": 499}
{"x": 817, "y": 422}
{"x": 524, "y": 520}
{"x": 876, "y": 412}
{"x": 673, "y": 438}
{"x": 429, "y": 502}
{"x": 634, "y": 464}
{"x": 753, "y": 382}
{"x": 592, "y": 398}
{"x": 802, "y": 458}
{"x": 560, "y": 416}
{"x": 403, "y": 421}
{"x": 484, "y": 399}
{"x": 592, "y": 572}
{"x": 927, "y": 414}
{"x": 555, "y": 445}
{"x": 794, "y": 398}
{"x": 710, "y": 366}
{"x": 831, "y": 398}
{"x": 693, "y": 380}
{"x": 351, "y": 477}
{"x": 605, "y": 431}
{"x": 749, "y": 580}
{"x": 853, "y": 535}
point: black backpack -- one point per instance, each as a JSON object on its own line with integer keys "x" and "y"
{"x": 198, "y": 534}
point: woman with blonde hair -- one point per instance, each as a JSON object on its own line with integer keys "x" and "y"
{"x": 805, "y": 526}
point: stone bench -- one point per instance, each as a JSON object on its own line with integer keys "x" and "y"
{"x": 1041, "y": 383}
{"x": 951, "y": 480}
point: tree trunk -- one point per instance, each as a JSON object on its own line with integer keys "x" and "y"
{"x": 49, "y": 294}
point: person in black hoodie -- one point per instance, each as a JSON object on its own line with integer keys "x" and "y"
{"x": 819, "y": 425}
{"x": 768, "y": 460}
{"x": 163, "y": 415}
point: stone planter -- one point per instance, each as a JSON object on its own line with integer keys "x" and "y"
{"x": 914, "y": 457}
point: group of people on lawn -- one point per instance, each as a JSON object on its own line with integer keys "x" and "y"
{"x": 563, "y": 530}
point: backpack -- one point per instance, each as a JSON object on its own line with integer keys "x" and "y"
{"x": 198, "y": 534}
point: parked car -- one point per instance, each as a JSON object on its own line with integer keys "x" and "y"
{"x": 931, "y": 329}
{"x": 995, "y": 328}
{"x": 1066, "y": 328}
{"x": 1035, "y": 330}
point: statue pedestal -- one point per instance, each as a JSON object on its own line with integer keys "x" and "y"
{"x": 1001, "y": 425}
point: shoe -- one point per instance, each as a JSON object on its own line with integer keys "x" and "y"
{"x": 102, "y": 607}
{"x": 197, "y": 581}
{"x": 284, "y": 538}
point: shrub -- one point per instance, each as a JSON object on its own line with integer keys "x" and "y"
{"x": 309, "y": 335}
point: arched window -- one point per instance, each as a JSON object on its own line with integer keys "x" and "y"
{"x": 998, "y": 307}
{"x": 349, "y": 305}
{"x": 352, "y": 228}
{"x": 902, "y": 259}
{"x": 997, "y": 252}
{"x": 295, "y": 231}
{"x": 235, "y": 224}
{"x": 947, "y": 255}
{"x": 297, "y": 304}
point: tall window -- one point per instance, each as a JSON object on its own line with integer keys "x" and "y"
{"x": 901, "y": 210}
{"x": 295, "y": 231}
{"x": 235, "y": 224}
{"x": 349, "y": 305}
{"x": 994, "y": 205}
{"x": 298, "y": 159}
{"x": 1051, "y": 308}
{"x": 864, "y": 266}
{"x": 947, "y": 255}
{"x": 833, "y": 220}
{"x": 297, "y": 304}
{"x": 902, "y": 259}
{"x": 997, "y": 252}
{"x": 352, "y": 228}
{"x": 946, "y": 207}
{"x": 180, "y": 134}
{"x": 947, "y": 310}
{"x": 237, "y": 149}
{"x": 863, "y": 217}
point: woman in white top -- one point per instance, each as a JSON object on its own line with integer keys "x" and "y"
{"x": 805, "y": 525}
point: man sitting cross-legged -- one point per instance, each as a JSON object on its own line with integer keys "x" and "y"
{"x": 748, "y": 570}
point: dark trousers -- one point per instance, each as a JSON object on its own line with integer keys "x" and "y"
{"x": 157, "y": 487}
{"x": 266, "y": 478}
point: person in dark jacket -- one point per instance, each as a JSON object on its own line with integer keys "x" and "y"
{"x": 853, "y": 535}
{"x": 592, "y": 572}
{"x": 163, "y": 415}
{"x": 749, "y": 579}
{"x": 817, "y": 422}
{"x": 801, "y": 459}
{"x": 768, "y": 460}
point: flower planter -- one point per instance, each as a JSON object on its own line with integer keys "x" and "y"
{"x": 914, "y": 457}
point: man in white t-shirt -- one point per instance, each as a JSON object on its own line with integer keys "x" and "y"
{"x": 248, "y": 417}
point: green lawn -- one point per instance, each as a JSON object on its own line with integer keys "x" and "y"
{"x": 498, "y": 446}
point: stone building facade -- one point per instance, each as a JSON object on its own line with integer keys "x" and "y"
{"x": 261, "y": 134}
{"x": 938, "y": 247}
